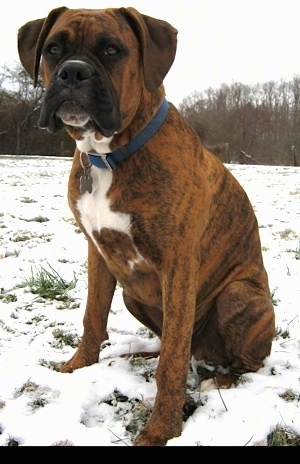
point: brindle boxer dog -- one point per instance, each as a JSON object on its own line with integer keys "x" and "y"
{"x": 162, "y": 215}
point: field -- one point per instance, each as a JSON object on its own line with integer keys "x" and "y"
{"x": 108, "y": 403}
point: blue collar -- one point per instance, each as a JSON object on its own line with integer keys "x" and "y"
{"x": 112, "y": 160}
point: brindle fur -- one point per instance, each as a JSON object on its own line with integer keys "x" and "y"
{"x": 201, "y": 286}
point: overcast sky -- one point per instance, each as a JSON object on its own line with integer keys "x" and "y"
{"x": 219, "y": 41}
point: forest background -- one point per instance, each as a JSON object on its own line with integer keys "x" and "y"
{"x": 243, "y": 124}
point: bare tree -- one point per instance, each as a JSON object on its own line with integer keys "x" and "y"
{"x": 21, "y": 102}
{"x": 20, "y": 108}
{"x": 262, "y": 121}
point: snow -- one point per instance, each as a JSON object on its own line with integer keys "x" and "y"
{"x": 107, "y": 403}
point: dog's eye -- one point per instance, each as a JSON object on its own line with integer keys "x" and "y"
{"x": 111, "y": 50}
{"x": 53, "y": 49}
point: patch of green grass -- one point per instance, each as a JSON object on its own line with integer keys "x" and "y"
{"x": 27, "y": 200}
{"x": 63, "y": 443}
{"x": 8, "y": 298}
{"x": 273, "y": 299}
{"x": 35, "y": 394}
{"x": 21, "y": 238}
{"x": 290, "y": 396}
{"x": 63, "y": 338}
{"x": 52, "y": 365}
{"x": 15, "y": 253}
{"x": 27, "y": 387}
{"x": 285, "y": 234}
{"x": 49, "y": 284}
{"x": 68, "y": 304}
{"x": 133, "y": 412}
{"x": 70, "y": 220}
{"x": 37, "y": 403}
{"x": 144, "y": 366}
{"x": 283, "y": 436}
{"x": 37, "y": 319}
{"x": 144, "y": 332}
{"x": 5, "y": 327}
{"x": 37, "y": 219}
{"x": 297, "y": 252}
{"x": 280, "y": 333}
{"x": 12, "y": 442}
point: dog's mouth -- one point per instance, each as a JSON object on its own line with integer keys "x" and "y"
{"x": 73, "y": 114}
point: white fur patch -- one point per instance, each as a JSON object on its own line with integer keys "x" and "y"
{"x": 94, "y": 207}
{"x": 90, "y": 143}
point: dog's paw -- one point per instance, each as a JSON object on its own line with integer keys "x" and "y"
{"x": 67, "y": 368}
{"x": 219, "y": 381}
{"x": 158, "y": 431}
{"x": 146, "y": 439}
{"x": 78, "y": 361}
{"x": 207, "y": 385}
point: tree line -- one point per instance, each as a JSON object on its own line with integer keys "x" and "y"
{"x": 239, "y": 123}
{"x": 260, "y": 122}
{"x": 20, "y": 105}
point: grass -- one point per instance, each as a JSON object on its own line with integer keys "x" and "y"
{"x": 289, "y": 395}
{"x": 287, "y": 234}
{"x": 283, "y": 436}
{"x": 37, "y": 219}
{"x": 281, "y": 333}
{"x": 12, "y": 442}
{"x": 63, "y": 338}
{"x": 47, "y": 283}
{"x": 273, "y": 299}
{"x": 21, "y": 238}
{"x": 27, "y": 200}
{"x": 297, "y": 252}
{"x": 133, "y": 413}
{"x": 27, "y": 387}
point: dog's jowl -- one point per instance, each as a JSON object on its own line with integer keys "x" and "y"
{"x": 162, "y": 215}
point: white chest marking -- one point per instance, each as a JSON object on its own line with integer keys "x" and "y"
{"x": 94, "y": 207}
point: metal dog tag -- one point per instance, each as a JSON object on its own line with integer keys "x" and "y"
{"x": 86, "y": 181}
{"x": 86, "y": 184}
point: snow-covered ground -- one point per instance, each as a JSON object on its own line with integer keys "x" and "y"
{"x": 107, "y": 403}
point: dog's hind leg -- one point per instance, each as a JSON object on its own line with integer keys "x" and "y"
{"x": 241, "y": 328}
{"x": 150, "y": 317}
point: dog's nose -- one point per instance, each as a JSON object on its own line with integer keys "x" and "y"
{"x": 73, "y": 72}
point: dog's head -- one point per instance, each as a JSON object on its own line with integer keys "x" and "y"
{"x": 96, "y": 65}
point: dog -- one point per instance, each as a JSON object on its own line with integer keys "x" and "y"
{"x": 162, "y": 215}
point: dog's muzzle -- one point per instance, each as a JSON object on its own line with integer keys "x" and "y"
{"x": 78, "y": 96}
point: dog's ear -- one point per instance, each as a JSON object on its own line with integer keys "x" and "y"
{"x": 31, "y": 38}
{"x": 159, "y": 42}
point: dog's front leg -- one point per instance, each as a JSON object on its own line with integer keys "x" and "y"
{"x": 101, "y": 287}
{"x": 179, "y": 297}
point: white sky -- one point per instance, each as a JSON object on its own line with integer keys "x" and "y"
{"x": 41, "y": 407}
{"x": 219, "y": 41}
